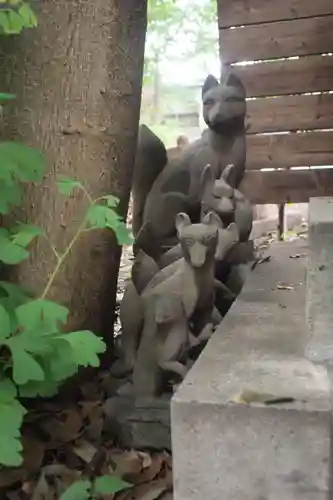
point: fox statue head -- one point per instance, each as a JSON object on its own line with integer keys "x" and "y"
{"x": 224, "y": 103}
{"x": 198, "y": 241}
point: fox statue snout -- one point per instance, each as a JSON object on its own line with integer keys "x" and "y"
{"x": 198, "y": 253}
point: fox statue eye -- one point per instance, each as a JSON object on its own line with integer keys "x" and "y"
{"x": 233, "y": 99}
{"x": 208, "y": 102}
{"x": 189, "y": 241}
{"x": 207, "y": 239}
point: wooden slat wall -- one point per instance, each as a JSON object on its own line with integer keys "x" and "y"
{"x": 295, "y": 186}
{"x": 304, "y": 112}
{"x": 291, "y": 76}
{"x": 280, "y": 90}
{"x": 304, "y": 149}
{"x": 297, "y": 37}
{"x": 244, "y": 12}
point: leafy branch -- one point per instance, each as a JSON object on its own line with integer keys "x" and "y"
{"x": 36, "y": 356}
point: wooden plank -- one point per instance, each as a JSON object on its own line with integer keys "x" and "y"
{"x": 293, "y": 76}
{"x": 297, "y": 37}
{"x": 300, "y": 112}
{"x": 289, "y": 150}
{"x": 286, "y": 186}
{"x": 241, "y": 12}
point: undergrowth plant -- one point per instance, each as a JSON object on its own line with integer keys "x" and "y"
{"x": 35, "y": 355}
{"x": 15, "y": 16}
{"x": 95, "y": 489}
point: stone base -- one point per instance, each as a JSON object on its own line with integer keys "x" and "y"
{"x": 139, "y": 424}
{"x": 252, "y": 419}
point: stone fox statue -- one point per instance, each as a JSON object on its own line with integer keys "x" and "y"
{"x": 169, "y": 305}
{"x": 177, "y": 187}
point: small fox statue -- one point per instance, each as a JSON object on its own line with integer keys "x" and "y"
{"x": 169, "y": 305}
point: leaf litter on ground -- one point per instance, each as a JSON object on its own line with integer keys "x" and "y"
{"x": 63, "y": 443}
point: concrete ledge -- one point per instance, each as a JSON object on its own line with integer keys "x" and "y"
{"x": 320, "y": 281}
{"x": 226, "y": 450}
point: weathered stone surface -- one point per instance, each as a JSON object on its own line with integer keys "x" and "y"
{"x": 320, "y": 281}
{"x": 223, "y": 449}
{"x": 140, "y": 424}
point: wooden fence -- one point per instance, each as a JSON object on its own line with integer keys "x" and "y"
{"x": 289, "y": 108}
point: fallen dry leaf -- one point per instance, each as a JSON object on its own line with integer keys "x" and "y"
{"x": 33, "y": 454}
{"x": 249, "y": 397}
{"x": 148, "y": 474}
{"x": 154, "y": 493}
{"x": 264, "y": 259}
{"x": 128, "y": 462}
{"x": 146, "y": 459}
{"x": 43, "y": 490}
{"x": 297, "y": 255}
{"x": 283, "y": 286}
{"x": 85, "y": 450}
{"x": 141, "y": 491}
{"x": 63, "y": 431}
{"x": 9, "y": 477}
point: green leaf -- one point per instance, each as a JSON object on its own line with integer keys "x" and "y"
{"x": 12, "y": 296}
{"x": 123, "y": 234}
{"x": 4, "y": 96}
{"x": 4, "y": 22}
{"x": 67, "y": 185}
{"x": 36, "y": 342}
{"x": 46, "y": 388}
{"x": 28, "y": 162}
{"x": 85, "y": 347}
{"x": 25, "y": 367}
{"x": 62, "y": 364}
{"x": 11, "y": 418}
{"x": 10, "y": 451}
{"x": 107, "y": 485}
{"x": 10, "y": 253}
{"x": 111, "y": 201}
{"x": 5, "y": 324}
{"x": 101, "y": 217}
{"x": 16, "y": 23}
{"x": 10, "y": 194}
{"x": 23, "y": 234}
{"x": 28, "y": 15}
{"x": 77, "y": 491}
{"x": 41, "y": 314}
{"x": 15, "y": 293}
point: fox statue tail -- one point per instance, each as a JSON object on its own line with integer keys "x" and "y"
{"x": 151, "y": 158}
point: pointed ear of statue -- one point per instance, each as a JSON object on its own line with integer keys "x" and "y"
{"x": 212, "y": 219}
{"x": 207, "y": 182}
{"x": 209, "y": 84}
{"x": 233, "y": 81}
{"x": 227, "y": 173}
{"x": 182, "y": 220}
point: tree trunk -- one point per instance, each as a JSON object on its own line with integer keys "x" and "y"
{"x": 78, "y": 80}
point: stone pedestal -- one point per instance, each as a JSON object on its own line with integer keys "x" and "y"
{"x": 252, "y": 419}
{"x": 139, "y": 424}
{"x": 319, "y": 280}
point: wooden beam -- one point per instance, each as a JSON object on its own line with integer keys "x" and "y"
{"x": 297, "y": 37}
{"x": 300, "y": 112}
{"x": 280, "y": 227}
{"x": 306, "y": 149}
{"x": 293, "y": 76}
{"x": 286, "y": 186}
{"x": 242, "y": 12}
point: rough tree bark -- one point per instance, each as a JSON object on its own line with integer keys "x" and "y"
{"x": 78, "y": 80}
